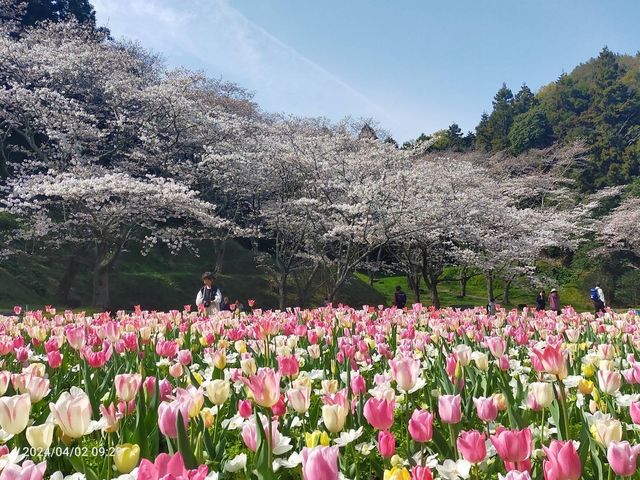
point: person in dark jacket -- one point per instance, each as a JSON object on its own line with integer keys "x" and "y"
{"x": 399, "y": 298}
{"x": 541, "y": 301}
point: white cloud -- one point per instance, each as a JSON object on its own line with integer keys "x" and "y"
{"x": 213, "y": 36}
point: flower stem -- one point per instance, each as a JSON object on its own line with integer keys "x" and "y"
{"x": 453, "y": 440}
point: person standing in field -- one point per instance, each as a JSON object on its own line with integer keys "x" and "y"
{"x": 554, "y": 301}
{"x": 541, "y": 301}
{"x": 597, "y": 296}
{"x": 399, "y": 298}
{"x": 209, "y": 296}
{"x": 491, "y": 306}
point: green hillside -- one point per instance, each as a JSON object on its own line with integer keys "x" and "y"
{"x": 158, "y": 281}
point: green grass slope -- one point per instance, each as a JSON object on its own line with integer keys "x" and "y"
{"x": 160, "y": 281}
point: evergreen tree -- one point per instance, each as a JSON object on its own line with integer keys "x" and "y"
{"x": 58, "y": 10}
{"x": 529, "y": 130}
{"x": 482, "y": 137}
{"x": 501, "y": 119}
{"x": 524, "y": 100}
{"x": 453, "y": 136}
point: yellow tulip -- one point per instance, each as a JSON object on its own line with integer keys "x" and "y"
{"x": 588, "y": 370}
{"x": 585, "y": 387}
{"x": 312, "y": 439}
{"x": 397, "y": 474}
{"x": 126, "y": 457}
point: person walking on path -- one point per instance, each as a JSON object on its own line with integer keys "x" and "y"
{"x": 399, "y": 298}
{"x": 554, "y": 301}
{"x": 541, "y": 301}
{"x": 209, "y": 296}
{"x": 597, "y": 295}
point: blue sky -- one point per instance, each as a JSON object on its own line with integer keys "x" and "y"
{"x": 415, "y": 66}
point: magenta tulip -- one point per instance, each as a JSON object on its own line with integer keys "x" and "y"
{"x": 563, "y": 462}
{"x": 379, "y": 413}
{"x": 386, "y": 444}
{"x": 514, "y": 447}
{"x": 421, "y": 426}
{"x": 320, "y": 463}
{"x": 472, "y": 446}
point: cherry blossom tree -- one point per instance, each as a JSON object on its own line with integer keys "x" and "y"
{"x": 108, "y": 211}
{"x": 620, "y": 229}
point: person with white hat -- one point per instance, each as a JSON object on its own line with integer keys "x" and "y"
{"x": 554, "y": 301}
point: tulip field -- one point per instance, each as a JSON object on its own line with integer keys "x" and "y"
{"x": 320, "y": 394}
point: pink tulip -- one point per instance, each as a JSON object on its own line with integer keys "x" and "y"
{"x": 496, "y": 346}
{"x": 127, "y": 385}
{"x": 111, "y": 418}
{"x": 249, "y": 432}
{"x": 27, "y": 471}
{"x": 169, "y": 466}
{"x": 386, "y": 444}
{"x": 288, "y": 366}
{"x": 17, "y": 310}
{"x": 165, "y": 389}
{"x": 244, "y": 408}
{"x": 486, "y": 408}
{"x": 472, "y": 446}
{"x": 623, "y": 458}
{"x": 149, "y": 385}
{"x": 76, "y": 337}
{"x": 358, "y": 385}
{"x": 265, "y": 386}
{"x": 421, "y": 426}
{"x": 503, "y": 363}
{"x": 279, "y": 409}
{"x": 514, "y": 447}
{"x": 36, "y": 387}
{"x": 553, "y": 360}
{"x": 609, "y": 381}
{"x": 563, "y": 462}
{"x": 176, "y": 370}
{"x": 379, "y": 413}
{"x": 184, "y": 357}
{"x": 22, "y": 354}
{"x": 168, "y": 417}
{"x": 5, "y": 378}
{"x": 320, "y": 463}
{"x": 421, "y": 473}
{"x": 405, "y": 372}
{"x": 449, "y": 408}
{"x": 634, "y": 410}
{"x": 54, "y": 359}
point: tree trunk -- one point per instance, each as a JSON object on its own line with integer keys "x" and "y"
{"x": 65, "y": 282}
{"x": 414, "y": 283}
{"x": 282, "y": 291}
{"x": 490, "y": 284}
{"x": 433, "y": 287}
{"x": 101, "y": 285}
{"x": 220, "y": 247}
{"x": 464, "y": 278}
{"x": 507, "y": 287}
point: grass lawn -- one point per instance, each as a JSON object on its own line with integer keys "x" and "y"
{"x": 449, "y": 289}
